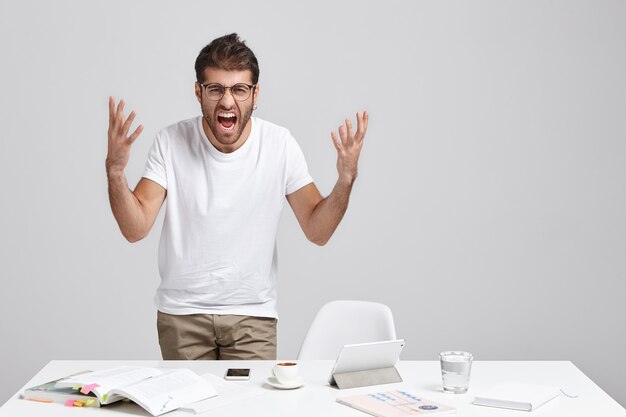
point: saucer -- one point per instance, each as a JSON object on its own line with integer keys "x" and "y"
{"x": 296, "y": 383}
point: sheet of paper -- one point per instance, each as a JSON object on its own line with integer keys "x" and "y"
{"x": 228, "y": 393}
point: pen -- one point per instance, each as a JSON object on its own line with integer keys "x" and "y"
{"x": 39, "y": 400}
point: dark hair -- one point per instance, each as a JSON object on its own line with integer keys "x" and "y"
{"x": 228, "y": 53}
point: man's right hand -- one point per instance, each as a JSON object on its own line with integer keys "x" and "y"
{"x": 119, "y": 141}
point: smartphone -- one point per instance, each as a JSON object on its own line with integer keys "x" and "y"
{"x": 237, "y": 374}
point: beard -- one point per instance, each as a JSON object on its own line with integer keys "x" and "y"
{"x": 241, "y": 121}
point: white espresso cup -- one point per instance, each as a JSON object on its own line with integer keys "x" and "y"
{"x": 286, "y": 372}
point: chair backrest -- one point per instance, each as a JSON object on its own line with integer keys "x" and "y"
{"x": 345, "y": 322}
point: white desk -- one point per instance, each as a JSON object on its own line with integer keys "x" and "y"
{"x": 317, "y": 398}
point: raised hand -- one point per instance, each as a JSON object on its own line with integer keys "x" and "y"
{"x": 119, "y": 141}
{"x": 348, "y": 145}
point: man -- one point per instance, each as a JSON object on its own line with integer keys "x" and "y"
{"x": 225, "y": 176}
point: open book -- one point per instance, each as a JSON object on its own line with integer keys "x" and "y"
{"x": 156, "y": 390}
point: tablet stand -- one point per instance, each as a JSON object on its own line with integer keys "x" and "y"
{"x": 367, "y": 378}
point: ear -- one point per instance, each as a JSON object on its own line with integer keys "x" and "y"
{"x": 255, "y": 95}
{"x": 198, "y": 89}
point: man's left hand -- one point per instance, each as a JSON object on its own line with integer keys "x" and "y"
{"x": 348, "y": 145}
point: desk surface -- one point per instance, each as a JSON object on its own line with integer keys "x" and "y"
{"x": 317, "y": 398}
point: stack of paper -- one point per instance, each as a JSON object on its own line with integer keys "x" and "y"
{"x": 517, "y": 396}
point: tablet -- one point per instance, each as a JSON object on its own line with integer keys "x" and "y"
{"x": 366, "y": 356}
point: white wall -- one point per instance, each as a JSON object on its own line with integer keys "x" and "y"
{"x": 489, "y": 210}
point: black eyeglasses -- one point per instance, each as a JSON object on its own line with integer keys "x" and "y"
{"x": 239, "y": 91}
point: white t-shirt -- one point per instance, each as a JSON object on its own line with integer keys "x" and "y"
{"x": 217, "y": 253}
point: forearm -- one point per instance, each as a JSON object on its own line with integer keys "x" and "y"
{"x": 126, "y": 207}
{"x": 328, "y": 213}
{"x": 319, "y": 217}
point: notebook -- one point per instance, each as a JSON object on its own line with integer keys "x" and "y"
{"x": 397, "y": 403}
{"x": 517, "y": 396}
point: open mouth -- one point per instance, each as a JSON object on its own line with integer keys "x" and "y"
{"x": 227, "y": 120}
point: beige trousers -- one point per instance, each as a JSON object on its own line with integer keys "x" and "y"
{"x": 214, "y": 336}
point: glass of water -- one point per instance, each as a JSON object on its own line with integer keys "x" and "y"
{"x": 455, "y": 371}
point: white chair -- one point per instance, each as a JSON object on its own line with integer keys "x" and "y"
{"x": 345, "y": 322}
